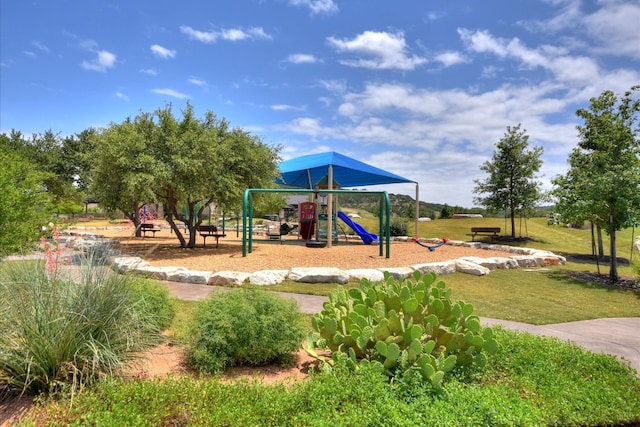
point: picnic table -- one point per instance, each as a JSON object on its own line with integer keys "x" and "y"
{"x": 484, "y": 231}
{"x": 210, "y": 231}
{"x": 149, "y": 227}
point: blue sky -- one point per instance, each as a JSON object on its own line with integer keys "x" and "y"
{"x": 423, "y": 89}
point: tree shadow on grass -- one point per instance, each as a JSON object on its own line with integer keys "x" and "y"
{"x": 593, "y": 280}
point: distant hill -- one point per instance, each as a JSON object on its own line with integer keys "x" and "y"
{"x": 401, "y": 205}
{"x": 404, "y": 206}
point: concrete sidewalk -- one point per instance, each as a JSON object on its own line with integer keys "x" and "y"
{"x": 616, "y": 336}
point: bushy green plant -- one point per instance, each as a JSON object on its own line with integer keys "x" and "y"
{"x": 403, "y": 327}
{"x": 244, "y": 326}
{"x": 398, "y": 228}
{"x": 61, "y": 331}
{"x": 635, "y": 265}
{"x": 153, "y": 302}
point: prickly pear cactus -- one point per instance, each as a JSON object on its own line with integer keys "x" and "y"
{"x": 408, "y": 325}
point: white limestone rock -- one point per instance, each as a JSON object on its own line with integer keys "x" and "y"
{"x": 268, "y": 277}
{"x": 160, "y": 273}
{"x": 444, "y": 267}
{"x": 526, "y": 261}
{"x": 370, "y": 274}
{"x": 127, "y": 263}
{"x": 190, "y": 276}
{"x": 469, "y": 267}
{"x": 227, "y": 278}
{"x": 318, "y": 275}
{"x": 398, "y": 273}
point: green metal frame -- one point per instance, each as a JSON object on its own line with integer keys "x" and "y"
{"x": 247, "y": 214}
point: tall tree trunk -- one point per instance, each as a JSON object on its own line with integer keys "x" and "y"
{"x": 170, "y": 214}
{"x": 135, "y": 218}
{"x": 600, "y": 242}
{"x": 513, "y": 222}
{"x": 594, "y": 250}
{"x": 613, "y": 271}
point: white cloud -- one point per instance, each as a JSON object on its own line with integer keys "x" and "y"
{"x": 445, "y": 132}
{"x": 381, "y": 50}
{"x": 612, "y": 27}
{"x": 122, "y": 96}
{"x": 170, "y": 92}
{"x": 615, "y": 27}
{"x": 302, "y": 58}
{"x": 162, "y": 52}
{"x": 103, "y": 61}
{"x": 201, "y": 36}
{"x": 568, "y": 17}
{"x": 570, "y": 69}
{"x": 232, "y": 34}
{"x": 196, "y": 81}
{"x": 29, "y": 53}
{"x": 307, "y": 126}
{"x": 336, "y": 86}
{"x": 317, "y": 6}
{"x": 40, "y": 46}
{"x": 149, "y": 71}
{"x": 490, "y": 71}
{"x": 450, "y": 58}
{"x": 286, "y": 107}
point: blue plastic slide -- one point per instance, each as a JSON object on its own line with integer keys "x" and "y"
{"x": 367, "y": 238}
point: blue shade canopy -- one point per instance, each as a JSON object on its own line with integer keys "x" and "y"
{"x": 306, "y": 171}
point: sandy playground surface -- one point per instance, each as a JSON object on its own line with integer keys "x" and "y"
{"x": 164, "y": 250}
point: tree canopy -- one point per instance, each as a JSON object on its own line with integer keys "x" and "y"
{"x": 511, "y": 185}
{"x": 185, "y": 163}
{"x": 24, "y": 204}
{"x": 602, "y": 184}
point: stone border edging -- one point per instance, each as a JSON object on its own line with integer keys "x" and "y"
{"x": 518, "y": 258}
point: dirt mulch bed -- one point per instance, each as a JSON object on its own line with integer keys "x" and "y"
{"x": 627, "y": 282}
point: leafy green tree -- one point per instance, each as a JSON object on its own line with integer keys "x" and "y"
{"x": 603, "y": 182}
{"x": 55, "y": 156}
{"x": 122, "y": 170}
{"x": 187, "y": 164}
{"x": 511, "y": 185}
{"x": 446, "y": 212}
{"x": 24, "y": 204}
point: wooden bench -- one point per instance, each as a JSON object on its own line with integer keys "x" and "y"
{"x": 484, "y": 231}
{"x": 210, "y": 231}
{"x": 149, "y": 227}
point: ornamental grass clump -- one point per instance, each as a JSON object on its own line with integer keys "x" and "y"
{"x": 244, "y": 327}
{"x": 403, "y": 328}
{"x": 65, "y": 328}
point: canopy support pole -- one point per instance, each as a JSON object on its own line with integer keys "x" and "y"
{"x": 417, "y": 233}
{"x": 330, "y": 209}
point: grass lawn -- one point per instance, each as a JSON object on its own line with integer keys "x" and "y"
{"x": 532, "y": 381}
{"x": 542, "y": 296}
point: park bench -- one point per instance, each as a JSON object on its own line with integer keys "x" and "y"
{"x": 149, "y": 227}
{"x": 210, "y": 231}
{"x": 484, "y": 231}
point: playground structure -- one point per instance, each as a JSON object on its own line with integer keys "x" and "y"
{"x": 332, "y": 167}
{"x": 308, "y": 213}
{"x": 367, "y": 238}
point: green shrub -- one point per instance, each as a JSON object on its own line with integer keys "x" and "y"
{"x": 531, "y": 381}
{"x": 404, "y": 327}
{"x": 398, "y": 228}
{"x": 244, "y": 326}
{"x": 62, "y": 331}
{"x": 635, "y": 266}
{"x": 153, "y": 302}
